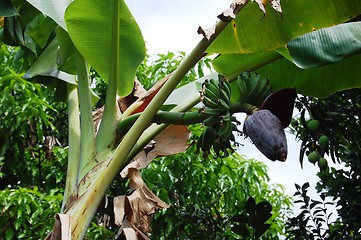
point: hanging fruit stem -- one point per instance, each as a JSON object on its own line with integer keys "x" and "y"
{"x": 182, "y": 118}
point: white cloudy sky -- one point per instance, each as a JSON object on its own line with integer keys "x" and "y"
{"x": 172, "y": 26}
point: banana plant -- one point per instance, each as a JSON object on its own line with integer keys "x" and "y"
{"x": 60, "y": 40}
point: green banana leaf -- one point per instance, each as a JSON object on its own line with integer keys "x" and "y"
{"x": 46, "y": 65}
{"x": 252, "y": 32}
{"x": 282, "y": 73}
{"x": 317, "y": 82}
{"x": 321, "y": 81}
{"x": 326, "y": 46}
{"x": 54, "y": 9}
{"x": 343, "y": 73}
{"x": 66, "y": 57}
{"x": 108, "y": 37}
{"x": 231, "y": 65}
{"x": 7, "y": 9}
{"x": 40, "y": 29}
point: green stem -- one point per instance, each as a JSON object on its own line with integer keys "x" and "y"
{"x": 181, "y": 118}
{"x": 155, "y": 129}
{"x": 74, "y": 144}
{"x": 107, "y": 129}
{"x": 87, "y": 137}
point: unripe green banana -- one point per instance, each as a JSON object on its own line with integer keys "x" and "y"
{"x": 211, "y": 121}
{"x": 264, "y": 91}
{"x": 206, "y": 141}
{"x": 225, "y": 131}
{"x": 225, "y": 117}
{"x": 253, "y": 85}
{"x": 211, "y": 87}
{"x": 209, "y": 93}
{"x": 226, "y": 87}
{"x": 214, "y": 82}
{"x": 242, "y": 88}
{"x": 253, "y": 88}
{"x": 224, "y": 96}
{"x": 211, "y": 103}
{"x": 222, "y": 105}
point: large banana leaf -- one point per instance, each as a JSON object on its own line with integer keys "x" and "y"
{"x": 251, "y": 32}
{"x": 41, "y": 29}
{"x": 54, "y": 9}
{"x": 108, "y": 37}
{"x": 320, "y": 81}
{"x": 47, "y": 65}
{"x": 326, "y": 46}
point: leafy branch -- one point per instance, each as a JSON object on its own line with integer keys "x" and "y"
{"x": 314, "y": 212}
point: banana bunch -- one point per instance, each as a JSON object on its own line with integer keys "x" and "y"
{"x": 253, "y": 88}
{"x": 210, "y": 140}
{"x": 215, "y": 95}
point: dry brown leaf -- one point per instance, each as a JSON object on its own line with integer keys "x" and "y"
{"x": 128, "y": 231}
{"x": 208, "y": 32}
{"x": 275, "y": 4}
{"x": 137, "y": 92}
{"x": 136, "y": 181}
{"x": 61, "y": 229}
{"x": 138, "y": 208}
{"x": 229, "y": 14}
{"x": 236, "y": 3}
{"x": 262, "y": 5}
{"x": 118, "y": 203}
{"x": 122, "y": 103}
{"x": 142, "y": 102}
{"x": 134, "y": 164}
{"x": 157, "y": 202}
{"x": 135, "y": 208}
{"x": 170, "y": 141}
{"x": 131, "y": 232}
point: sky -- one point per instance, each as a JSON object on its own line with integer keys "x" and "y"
{"x": 172, "y": 26}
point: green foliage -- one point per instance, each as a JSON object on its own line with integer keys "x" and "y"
{"x": 27, "y": 213}
{"x": 32, "y": 130}
{"x": 313, "y": 221}
{"x": 155, "y": 68}
{"x": 116, "y": 49}
{"x": 255, "y": 216}
{"x": 337, "y": 138}
{"x": 32, "y": 161}
{"x": 96, "y": 231}
{"x": 206, "y": 193}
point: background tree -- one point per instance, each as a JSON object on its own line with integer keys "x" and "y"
{"x": 335, "y": 138}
